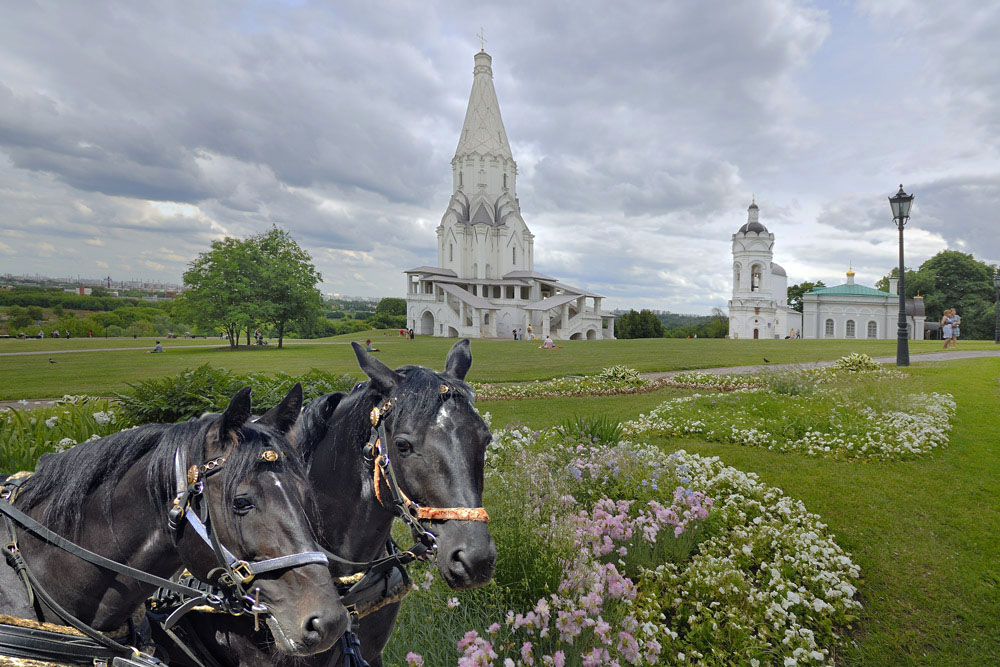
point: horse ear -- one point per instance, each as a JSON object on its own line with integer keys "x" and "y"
{"x": 237, "y": 413}
{"x": 459, "y": 359}
{"x": 384, "y": 378}
{"x": 283, "y": 416}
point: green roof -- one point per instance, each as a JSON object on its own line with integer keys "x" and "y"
{"x": 851, "y": 290}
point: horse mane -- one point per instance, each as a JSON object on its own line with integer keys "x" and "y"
{"x": 94, "y": 468}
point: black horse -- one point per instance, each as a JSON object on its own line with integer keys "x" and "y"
{"x": 436, "y": 442}
{"x": 112, "y": 496}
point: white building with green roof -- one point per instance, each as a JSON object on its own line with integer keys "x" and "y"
{"x": 856, "y": 311}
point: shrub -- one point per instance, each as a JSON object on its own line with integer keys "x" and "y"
{"x": 196, "y": 391}
{"x": 622, "y": 374}
{"x": 857, "y": 363}
{"x": 602, "y": 430}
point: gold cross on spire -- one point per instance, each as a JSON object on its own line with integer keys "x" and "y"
{"x": 482, "y": 39}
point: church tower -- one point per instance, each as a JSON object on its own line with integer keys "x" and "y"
{"x": 485, "y": 284}
{"x": 758, "y": 308}
{"x": 482, "y": 234}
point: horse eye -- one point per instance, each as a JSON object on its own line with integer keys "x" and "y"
{"x": 242, "y": 505}
{"x": 403, "y": 446}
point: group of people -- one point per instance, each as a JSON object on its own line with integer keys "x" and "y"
{"x": 950, "y": 327}
{"x": 406, "y": 333}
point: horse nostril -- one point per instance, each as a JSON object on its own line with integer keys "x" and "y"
{"x": 315, "y": 629}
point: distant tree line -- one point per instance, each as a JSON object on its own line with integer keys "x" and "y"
{"x": 646, "y": 324}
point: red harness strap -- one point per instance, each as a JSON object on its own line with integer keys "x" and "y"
{"x": 429, "y": 513}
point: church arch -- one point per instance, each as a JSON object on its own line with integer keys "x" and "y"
{"x": 426, "y": 324}
{"x": 452, "y": 333}
{"x": 576, "y": 336}
{"x": 872, "y": 329}
{"x": 829, "y": 328}
{"x": 756, "y": 277}
{"x": 591, "y": 334}
{"x": 756, "y": 334}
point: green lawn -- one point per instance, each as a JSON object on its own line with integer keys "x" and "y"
{"x": 926, "y": 532}
{"x": 102, "y": 373}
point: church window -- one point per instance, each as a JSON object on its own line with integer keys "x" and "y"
{"x": 736, "y": 277}
{"x": 525, "y": 293}
{"x": 451, "y": 252}
{"x": 872, "y": 329}
{"x": 505, "y": 181}
{"x": 850, "y": 328}
{"x": 829, "y": 328}
{"x": 486, "y": 318}
{"x": 509, "y": 292}
{"x": 513, "y": 255}
{"x": 755, "y": 278}
{"x": 460, "y": 179}
{"x": 496, "y": 292}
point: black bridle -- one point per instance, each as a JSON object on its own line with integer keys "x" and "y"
{"x": 189, "y": 505}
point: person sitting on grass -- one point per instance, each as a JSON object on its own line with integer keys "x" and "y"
{"x": 368, "y": 346}
{"x": 156, "y": 348}
{"x": 548, "y": 344}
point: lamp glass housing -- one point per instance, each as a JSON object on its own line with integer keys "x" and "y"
{"x": 900, "y": 204}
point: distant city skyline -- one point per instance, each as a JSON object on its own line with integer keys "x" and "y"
{"x": 130, "y": 138}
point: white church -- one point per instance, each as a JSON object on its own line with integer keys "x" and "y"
{"x": 759, "y": 307}
{"x": 484, "y": 284}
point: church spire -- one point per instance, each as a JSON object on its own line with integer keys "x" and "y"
{"x": 483, "y": 132}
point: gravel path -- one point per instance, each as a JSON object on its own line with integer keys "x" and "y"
{"x": 914, "y": 358}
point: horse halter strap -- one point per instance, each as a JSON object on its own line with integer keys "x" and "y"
{"x": 236, "y": 572}
{"x": 383, "y": 472}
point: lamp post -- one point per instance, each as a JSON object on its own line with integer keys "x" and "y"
{"x": 996, "y": 328}
{"x": 900, "y": 204}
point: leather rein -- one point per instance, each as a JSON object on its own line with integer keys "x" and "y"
{"x": 188, "y": 505}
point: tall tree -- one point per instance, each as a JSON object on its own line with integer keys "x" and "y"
{"x": 219, "y": 288}
{"x": 795, "y": 292}
{"x": 286, "y": 280}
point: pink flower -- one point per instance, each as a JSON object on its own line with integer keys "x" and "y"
{"x": 414, "y": 660}
{"x": 526, "y": 653}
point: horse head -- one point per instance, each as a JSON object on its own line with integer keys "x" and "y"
{"x": 258, "y": 506}
{"x": 435, "y": 442}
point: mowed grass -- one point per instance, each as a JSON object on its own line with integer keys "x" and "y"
{"x": 925, "y": 532}
{"x": 104, "y": 372}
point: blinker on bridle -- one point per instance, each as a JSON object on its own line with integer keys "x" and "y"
{"x": 383, "y": 472}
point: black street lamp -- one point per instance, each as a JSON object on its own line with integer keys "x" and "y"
{"x": 996, "y": 328}
{"x": 900, "y": 204}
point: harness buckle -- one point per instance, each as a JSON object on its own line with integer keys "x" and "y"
{"x": 244, "y": 571}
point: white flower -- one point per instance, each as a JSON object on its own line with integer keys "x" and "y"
{"x": 52, "y": 421}
{"x": 452, "y": 603}
{"x": 102, "y": 417}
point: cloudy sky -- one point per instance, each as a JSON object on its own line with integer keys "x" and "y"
{"x": 132, "y": 134}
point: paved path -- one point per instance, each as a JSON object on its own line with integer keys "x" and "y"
{"x": 948, "y": 355}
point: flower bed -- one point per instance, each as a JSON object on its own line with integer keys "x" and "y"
{"x": 27, "y": 434}
{"x": 660, "y": 559}
{"x": 859, "y": 421}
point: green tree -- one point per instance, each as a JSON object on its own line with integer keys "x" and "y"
{"x": 391, "y": 305}
{"x": 795, "y": 292}
{"x": 19, "y": 317}
{"x": 220, "y": 290}
{"x": 286, "y": 287}
{"x": 643, "y": 324}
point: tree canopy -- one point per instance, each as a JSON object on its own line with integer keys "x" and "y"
{"x": 241, "y": 283}
{"x": 795, "y": 292}
{"x": 952, "y": 279}
{"x": 643, "y": 324}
